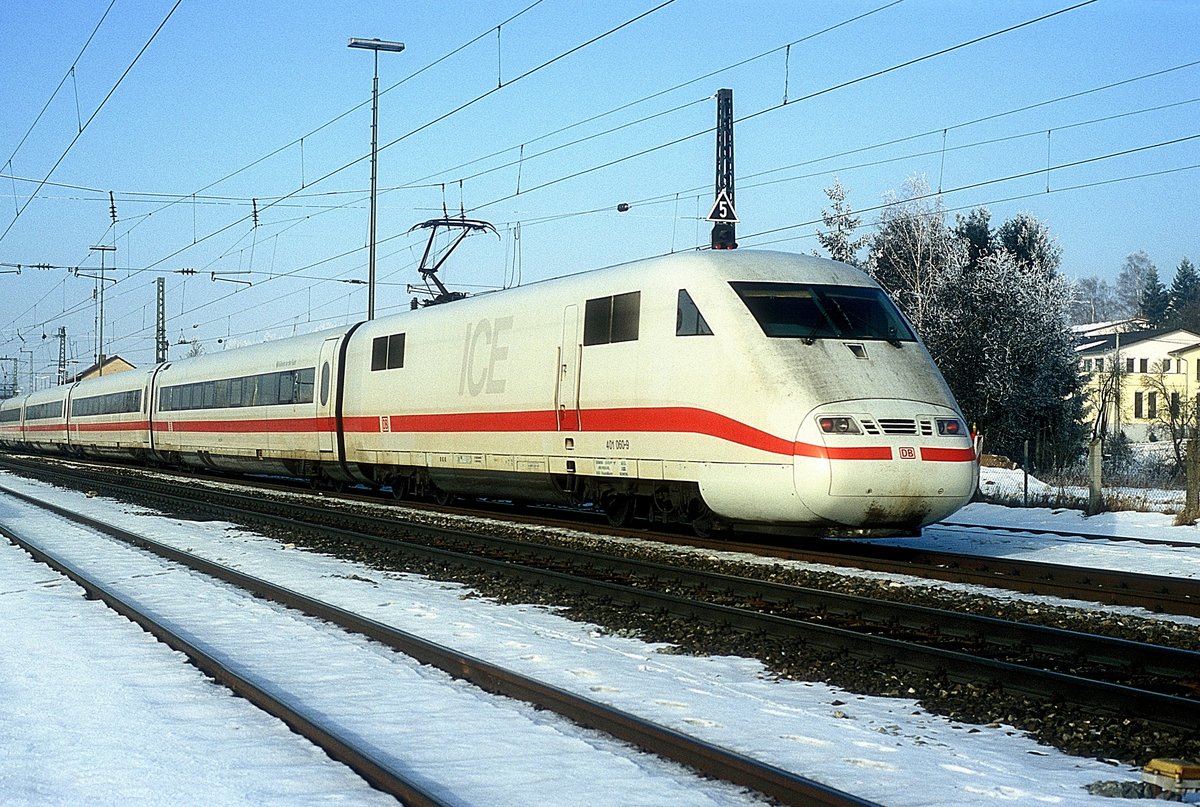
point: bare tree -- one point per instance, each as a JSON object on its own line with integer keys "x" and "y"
{"x": 914, "y": 250}
{"x": 1174, "y": 414}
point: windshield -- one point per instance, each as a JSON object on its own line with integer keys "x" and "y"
{"x": 809, "y": 311}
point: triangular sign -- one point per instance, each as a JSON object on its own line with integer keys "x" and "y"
{"x": 722, "y": 210}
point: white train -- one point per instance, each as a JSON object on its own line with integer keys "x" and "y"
{"x": 719, "y": 388}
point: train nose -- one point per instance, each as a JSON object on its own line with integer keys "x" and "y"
{"x": 884, "y": 463}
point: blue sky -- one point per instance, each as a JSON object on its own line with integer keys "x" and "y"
{"x": 225, "y": 84}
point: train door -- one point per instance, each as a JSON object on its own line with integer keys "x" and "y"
{"x": 566, "y": 394}
{"x": 325, "y": 395}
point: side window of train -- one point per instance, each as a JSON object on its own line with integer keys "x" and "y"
{"x": 325, "y": 376}
{"x": 612, "y": 319}
{"x": 387, "y": 352}
{"x": 688, "y": 319}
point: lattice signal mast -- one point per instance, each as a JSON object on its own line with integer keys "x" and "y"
{"x": 723, "y": 215}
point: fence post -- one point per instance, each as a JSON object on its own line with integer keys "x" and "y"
{"x": 1095, "y": 465}
{"x": 1191, "y": 506}
{"x": 1025, "y": 468}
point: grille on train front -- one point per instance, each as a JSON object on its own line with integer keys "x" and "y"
{"x": 900, "y": 426}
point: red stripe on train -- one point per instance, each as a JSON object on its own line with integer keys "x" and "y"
{"x": 672, "y": 420}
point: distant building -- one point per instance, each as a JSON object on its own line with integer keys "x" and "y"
{"x": 1115, "y": 326}
{"x": 1136, "y": 381}
{"x": 115, "y": 364}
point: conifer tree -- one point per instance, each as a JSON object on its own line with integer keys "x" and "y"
{"x": 839, "y": 240}
{"x": 1154, "y": 299}
{"x": 1183, "y": 311}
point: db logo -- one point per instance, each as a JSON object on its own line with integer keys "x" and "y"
{"x": 907, "y": 453}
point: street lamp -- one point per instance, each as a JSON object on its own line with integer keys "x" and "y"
{"x": 375, "y": 45}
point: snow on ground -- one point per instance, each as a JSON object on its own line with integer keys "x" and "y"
{"x": 1072, "y": 551}
{"x": 1002, "y": 484}
{"x": 60, "y": 656}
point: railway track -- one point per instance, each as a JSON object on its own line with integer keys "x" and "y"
{"x": 1155, "y": 593}
{"x": 362, "y": 753}
{"x": 1088, "y": 536}
{"x": 1113, "y": 679}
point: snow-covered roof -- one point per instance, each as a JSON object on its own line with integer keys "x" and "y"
{"x": 1110, "y": 327}
{"x": 1106, "y": 343}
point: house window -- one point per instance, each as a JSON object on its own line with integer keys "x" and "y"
{"x": 1129, "y": 365}
{"x": 1175, "y": 406}
{"x": 1152, "y": 406}
{"x": 1087, "y": 365}
{"x": 1099, "y": 365}
{"x": 1138, "y": 409}
{"x": 612, "y": 319}
{"x": 1143, "y": 365}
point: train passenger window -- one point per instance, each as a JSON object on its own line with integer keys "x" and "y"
{"x": 266, "y": 391}
{"x": 625, "y": 316}
{"x": 812, "y": 311}
{"x": 54, "y": 409}
{"x": 325, "y": 377}
{"x": 612, "y": 319}
{"x": 597, "y": 321}
{"x": 688, "y": 319}
{"x": 387, "y": 352}
{"x": 304, "y": 384}
{"x": 287, "y": 387}
{"x": 379, "y": 353}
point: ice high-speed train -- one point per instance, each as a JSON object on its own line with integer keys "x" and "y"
{"x": 719, "y": 388}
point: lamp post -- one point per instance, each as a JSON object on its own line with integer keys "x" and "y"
{"x": 375, "y": 45}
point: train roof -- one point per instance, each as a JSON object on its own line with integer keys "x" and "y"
{"x": 753, "y": 265}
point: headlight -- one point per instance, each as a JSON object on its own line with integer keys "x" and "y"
{"x": 832, "y": 425}
{"x": 951, "y": 427}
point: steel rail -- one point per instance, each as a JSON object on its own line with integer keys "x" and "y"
{"x": 1156, "y": 593}
{"x": 1099, "y": 696}
{"x": 1122, "y": 656}
{"x": 706, "y": 758}
{"x": 376, "y": 773}
{"x": 1090, "y": 536}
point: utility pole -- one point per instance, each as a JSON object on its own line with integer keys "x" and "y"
{"x": 160, "y": 324}
{"x": 101, "y": 248}
{"x": 62, "y": 354}
{"x": 30, "y": 352}
{"x": 723, "y": 215}
{"x": 10, "y": 389}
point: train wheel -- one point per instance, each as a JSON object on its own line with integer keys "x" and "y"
{"x": 399, "y": 486}
{"x": 443, "y": 497}
{"x": 703, "y": 526}
{"x": 619, "y": 509}
{"x": 705, "y": 523}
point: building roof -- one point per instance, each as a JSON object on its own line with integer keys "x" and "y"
{"x": 112, "y": 364}
{"x": 1107, "y": 343}
{"x": 1114, "y": 326}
